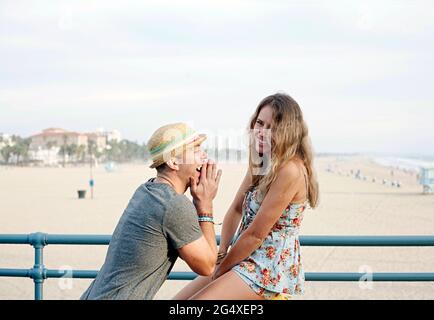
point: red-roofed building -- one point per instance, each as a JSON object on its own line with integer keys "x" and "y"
{"x": 45, "y": 146}
{"x": 57, "y": 137}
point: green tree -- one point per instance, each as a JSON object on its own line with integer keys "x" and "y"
{"x": 91, "y": 147}
{"x": 81, "y": 153}
{"x": 124, "y": 151}
{"x": 62, "y": 152}
{"x": 131, "y": 150}
{"x": 6, "y": 153}
{"x": 20, "y": 148}
{"x": 92, "y": 150}
{"x": 112, "y": 151}
{"x": 71, "y": 150}
{"x": 65, "y": 148}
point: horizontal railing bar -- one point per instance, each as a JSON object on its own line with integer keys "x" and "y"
{"x": 335, "y": 241}
{"x": 57, "y": 239}
{"x": 61, "y": 239}
{"x": 309, "y": 276}
{"x": 177, "y": 275}
{"x": 78, "y": 239}
{"x": 79, "y": 274}
{"x": 19, "y": 273}
{"x": 14, "y": 239}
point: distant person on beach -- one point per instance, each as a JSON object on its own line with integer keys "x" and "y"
{"x": 160, "y": 223}
{"x": 264, "y": 261}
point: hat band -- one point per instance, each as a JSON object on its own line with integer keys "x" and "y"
{"x": 185, "y": 143}
{"x": 159, "y": 158}
{"x": 170, "y": 144}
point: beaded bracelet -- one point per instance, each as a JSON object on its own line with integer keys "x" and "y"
{"x": 205, "y": 215}
{"x": 221, "y": 255}
{"x": 205, "y": 219}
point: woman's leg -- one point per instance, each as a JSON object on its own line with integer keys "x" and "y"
{"x": 192, "y": 288}
{"x": 228, "y": 287}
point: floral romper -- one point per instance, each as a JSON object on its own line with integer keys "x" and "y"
{"x": 274, "y": 270}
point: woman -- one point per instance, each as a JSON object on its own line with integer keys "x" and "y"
{"x": 264, "y": 260}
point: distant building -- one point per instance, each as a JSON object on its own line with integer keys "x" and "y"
{"x": 56, "y": 137}
{"x": 49, "y": 157}
{"x": 113, "y": 135}
{"x": 45, "y": 146}
{"x": 98, "y": 139}
{"x": 101, "y": 138}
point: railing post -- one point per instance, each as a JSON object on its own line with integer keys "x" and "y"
{"x": 38, "y": 273}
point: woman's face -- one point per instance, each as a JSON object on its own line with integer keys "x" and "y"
{"x": 262, "y": 130}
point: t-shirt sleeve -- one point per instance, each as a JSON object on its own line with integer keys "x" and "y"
{"x": 180, "y": 222}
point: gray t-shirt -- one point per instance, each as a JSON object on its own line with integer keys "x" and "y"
{"x": 143, "y": 248}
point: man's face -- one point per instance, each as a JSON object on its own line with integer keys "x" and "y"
{"x": 192, "y": 162}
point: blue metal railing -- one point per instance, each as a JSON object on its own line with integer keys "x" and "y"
{"x": 39, "y": 273}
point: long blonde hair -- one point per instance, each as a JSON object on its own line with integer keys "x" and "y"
{"x": 289, "y": 138}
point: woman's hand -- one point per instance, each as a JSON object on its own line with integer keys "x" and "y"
{"x": 218, "y": 272}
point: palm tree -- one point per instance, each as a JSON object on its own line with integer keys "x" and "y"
{"x": 20, "y": 148}
{"x": 6, "y": 153}
{"x": 71, "y": 150}
{"x": 132, "y": 150}
{"x": 91, "y": 148}
{"x": 81, "y": 152}
{"x": 1, "y": 144}
{"x": 113, "y": 151}
{"x": 62, "y": 153}
{"x": 65, "y": 146}
{"x": 124, "y": 151}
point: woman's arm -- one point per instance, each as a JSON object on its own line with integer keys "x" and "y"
{"x": 233, "y": 216}
{"x": 281, "y": 193}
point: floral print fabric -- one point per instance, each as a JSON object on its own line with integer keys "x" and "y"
{"x": 275, "y": 269}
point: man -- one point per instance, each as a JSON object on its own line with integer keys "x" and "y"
{"x": 160, "y": 223}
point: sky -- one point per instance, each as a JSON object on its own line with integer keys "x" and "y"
{"x": 362, "y": 71}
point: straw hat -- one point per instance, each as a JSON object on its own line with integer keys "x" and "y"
{"x": 172, "y": 140}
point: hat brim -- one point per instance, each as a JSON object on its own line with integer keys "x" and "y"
{"x": 197, "y": 142}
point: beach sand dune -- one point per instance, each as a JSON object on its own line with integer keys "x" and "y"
{"x": 45, "y": 199}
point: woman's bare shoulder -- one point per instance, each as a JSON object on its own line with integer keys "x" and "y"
{"x": 290, "y": 170}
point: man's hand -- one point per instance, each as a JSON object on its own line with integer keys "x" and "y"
{"x": 205, "y": 190}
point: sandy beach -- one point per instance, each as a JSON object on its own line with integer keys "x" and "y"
{"x": 45, "y": 199}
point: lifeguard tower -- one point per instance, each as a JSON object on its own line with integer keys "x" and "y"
{"x": 427, "y": 179}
